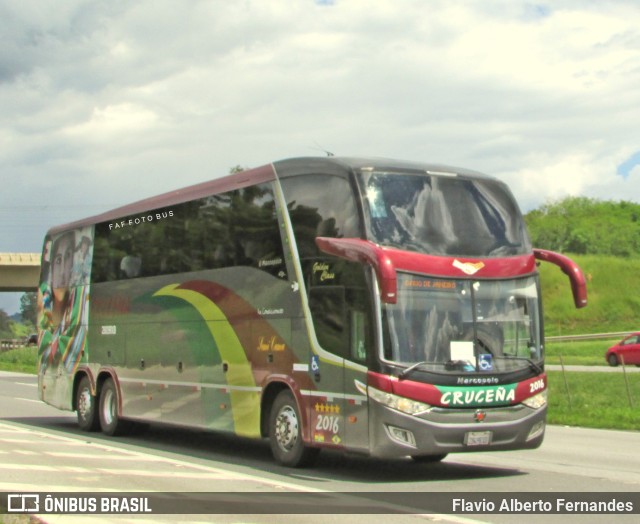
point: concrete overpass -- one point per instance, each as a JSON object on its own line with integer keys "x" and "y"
{"x": 19, "y": 271}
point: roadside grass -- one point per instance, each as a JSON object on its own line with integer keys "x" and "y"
{"x": 22, "y": 360}
{"x": 595, "y": 400}
{"x": 579, "y": 353}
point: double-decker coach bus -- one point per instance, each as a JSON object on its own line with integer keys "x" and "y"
{"x": 366, "y": 305}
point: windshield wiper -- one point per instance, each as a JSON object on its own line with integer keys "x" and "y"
{"x": 531, "y": 363}
{"x": 451, "y": 365}
{"x": 405, "y": 372}
{"x": 464, "y": 365}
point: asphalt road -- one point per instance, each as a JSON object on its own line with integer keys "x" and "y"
{"x": 41, "y": 449}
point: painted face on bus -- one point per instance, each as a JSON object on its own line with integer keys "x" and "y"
{"x": 62, "y": 261}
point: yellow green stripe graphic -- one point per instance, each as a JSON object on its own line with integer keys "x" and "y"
{"x": 245, "y": 405}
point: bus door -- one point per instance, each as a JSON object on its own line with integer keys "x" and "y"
{"x": 340, "y": 308}
{"x": 323, "y": 204}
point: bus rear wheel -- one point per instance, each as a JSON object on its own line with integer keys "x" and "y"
{"x": 86, "y": 408}
{"x": 110, "y": 422}
{"x": 285, "y": 433}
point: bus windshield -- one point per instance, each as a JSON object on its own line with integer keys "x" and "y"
{"x": 443, "y": 215}
{"x": 464, "y": 326}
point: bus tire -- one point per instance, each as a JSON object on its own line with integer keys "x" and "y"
{"x": 110, "y": 422}
{"x": 86, "y": 406}
{"x": 285, "y": 433}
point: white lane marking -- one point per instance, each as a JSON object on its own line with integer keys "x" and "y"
{"x": 13, "y": 431}
{"x": 209, "y": 472}
{"x": 28, "y": 400}
{"x": 219, "y": 472}
{"x": 27, "y": 467}
{"x": 66, "y": 454}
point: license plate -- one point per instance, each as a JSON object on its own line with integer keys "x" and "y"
{"x": 478, "y": 438}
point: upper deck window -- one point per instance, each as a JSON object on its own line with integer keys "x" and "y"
{"x": 236, "y": 228}
{"x": 443, "y": 215}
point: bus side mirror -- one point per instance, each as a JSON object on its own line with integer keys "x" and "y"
{"x": 365, "y": 252}
{"x": 569, "y": 268}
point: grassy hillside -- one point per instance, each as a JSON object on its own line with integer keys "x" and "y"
{"x": 613, "y": 285}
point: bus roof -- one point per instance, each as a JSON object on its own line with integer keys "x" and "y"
{"x": 341, "y": 166}
{"x": 306, "y": 165}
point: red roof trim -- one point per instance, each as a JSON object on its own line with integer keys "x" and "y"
{"x": 386, "y": 261}
{"x": 455, "y": 266}
{"x": 247, "y": 178}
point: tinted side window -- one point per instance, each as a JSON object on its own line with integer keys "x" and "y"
{"x": 320, "y": 205}
{"x": 238, "y": 228}
{"x": 339, "y": 298}
{"x": 340, "y": 305}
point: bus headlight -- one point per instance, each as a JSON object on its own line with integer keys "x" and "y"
{"x": 406, "y": 405}
{"x": 537, "y": 401}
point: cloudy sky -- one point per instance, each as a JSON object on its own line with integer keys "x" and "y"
{"x": 106, "y": 102}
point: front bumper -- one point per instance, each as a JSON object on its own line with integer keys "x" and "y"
{"x": 444, "y": 430}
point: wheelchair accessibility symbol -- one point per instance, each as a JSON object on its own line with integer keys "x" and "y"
{"x": 315, "y": 365}
{"x": 486, "y": 362}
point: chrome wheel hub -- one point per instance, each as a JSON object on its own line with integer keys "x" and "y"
{"x": 286, "y": 428}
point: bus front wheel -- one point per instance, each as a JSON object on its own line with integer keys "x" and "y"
{"x": 110, "y": 421}
{"x": 285, "y": 433}
{"x": 86, "y": 408}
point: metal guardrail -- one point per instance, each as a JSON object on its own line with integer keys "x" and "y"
{"x": 595, "y": 336}
{"x": 12, "y": 343}
{"x": 20, "y": 259}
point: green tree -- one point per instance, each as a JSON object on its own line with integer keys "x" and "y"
{"x": 237, "y": 169}
{"x": 583, "y": 225}
{"x": 5, "y": 325}
{"x": 29, "y": 307}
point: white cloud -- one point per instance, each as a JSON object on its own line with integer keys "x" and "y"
{"x": 114, "y": 122}
{"x": 103, "y": 102}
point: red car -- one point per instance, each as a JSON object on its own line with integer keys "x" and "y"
{"x": 627, "y": 350}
